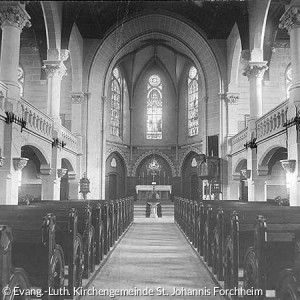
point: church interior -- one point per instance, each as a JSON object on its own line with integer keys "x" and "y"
{"x": 127, "y": 122}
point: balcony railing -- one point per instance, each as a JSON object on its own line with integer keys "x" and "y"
{"x": 36, "y": 120}
{"x": 239, "y": 140}
{"x": 272, "y": 122}
{"x": 69, "y": 139}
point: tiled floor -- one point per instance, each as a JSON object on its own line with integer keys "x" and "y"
{"x": 153, "y": 261}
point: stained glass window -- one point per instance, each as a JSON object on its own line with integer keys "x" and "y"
{"x": 193, "y": 99}
{"x": 154, "y": 108}
{"x": 115, "y": 103}
{"x": 21, "y": 81}
{"x": 288, "y": 80}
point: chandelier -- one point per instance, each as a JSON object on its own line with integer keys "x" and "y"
{"x": 153, "y": 166}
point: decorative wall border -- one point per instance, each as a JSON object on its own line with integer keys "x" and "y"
{"x": 122, "y": 154}
{"x": 151, "y": 152}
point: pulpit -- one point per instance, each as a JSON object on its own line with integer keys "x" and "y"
{"x": 145, "y": 192}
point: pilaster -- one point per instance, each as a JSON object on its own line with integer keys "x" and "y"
{"x": 255, "y": 72}
{"x": 291, "y": 22}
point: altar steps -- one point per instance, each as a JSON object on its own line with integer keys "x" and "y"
{"x": 166, "y": 208}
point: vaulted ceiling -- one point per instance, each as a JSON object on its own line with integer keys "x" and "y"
{"x": 95, "y": 19}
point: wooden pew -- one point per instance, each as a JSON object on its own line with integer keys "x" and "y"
{"x": 275, "y": 249}
{"x": 288, "y": 284}
{"x": 85, "y": 228}
{"x": 217, "y": 227}
{"x": 10, "y": 277}
{"x": 68, "y": 237}
{"x": 34, "y": 247}
{"x": 108, "y": 221}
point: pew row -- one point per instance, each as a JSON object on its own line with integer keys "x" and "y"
{"x": 11, "y": 278}
{"x": 266, "y": 250}
{"x": 272, "y": 262}
{"x": 35, "y": 248}
{"x": 67, "y": 235}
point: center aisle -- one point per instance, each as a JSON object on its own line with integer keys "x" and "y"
{"x": 156, "y": 259}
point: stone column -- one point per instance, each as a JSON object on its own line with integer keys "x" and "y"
{"x": 55, "y": 70}
{"x": 13, "y": 18}
{"x": 255, "y": 72}
{"x": 77, "y": 100}
{"x": 291, "y": 21}
{"x": 73, "y": 185}
{"x": 50, "y": 183}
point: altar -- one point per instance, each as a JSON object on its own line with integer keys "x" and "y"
{"x": 144, "y": 192}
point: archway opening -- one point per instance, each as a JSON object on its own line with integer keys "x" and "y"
{"x": 277, "y": 185}
{"x": 30, "y": 183}
{"x": 190, "y": 181}
{"x": 115, "y": 183}
{"x": 66, "y": 169}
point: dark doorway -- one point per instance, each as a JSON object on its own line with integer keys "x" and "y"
{"x": 115, "y": 178}
{"x": 64, "y": 187}
{"x": 112, "y": 186}
{"x": 243, "y": 191}
{"x": 194, "y": 186}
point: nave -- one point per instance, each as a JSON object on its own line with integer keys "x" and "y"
{"x": 154, "y": 258}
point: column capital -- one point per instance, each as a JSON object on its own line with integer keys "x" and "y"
{"x": 77, "y": 97}
{"x": 255, "y": 69}
{"x": 291, "y": 18}
{"x": 13, "y": 14}
{"x": 45, "y": 169}
{"x": 230, "y": 97}
{"x": 19, "y": 163}
{"x": 54, "y": 68}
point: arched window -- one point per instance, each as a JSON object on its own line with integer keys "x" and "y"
{"x": 154, "y": 108}
{"x": 21, "y": 81}
{"x": 193, "y": 99}
{"x": 288, "y": 81}
{"x": 116, "y": 103}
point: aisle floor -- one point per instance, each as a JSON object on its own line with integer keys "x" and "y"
{"x": 153, "y": 261}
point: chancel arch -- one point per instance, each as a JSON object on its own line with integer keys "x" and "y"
{"x": 100, "y": 72}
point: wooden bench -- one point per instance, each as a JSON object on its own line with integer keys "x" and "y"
{"x": 10, "y": 277}
{"x": 217, "y": 226}
{"x": 34, "y": 247}
{"x": 85, "y": 228}
{"x": 68, "y": 237}
{"x": 274, "y": 256}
